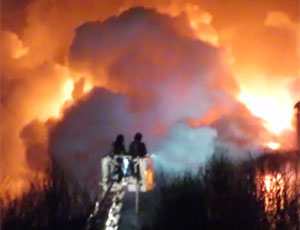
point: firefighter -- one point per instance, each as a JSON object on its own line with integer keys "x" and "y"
{"x": 118, "y": 150}
{"x": 118, "y": 147}
{"x": 137, "y": 149}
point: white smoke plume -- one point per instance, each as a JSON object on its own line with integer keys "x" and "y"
{"x": 185, "y": 149}
{"x": 164, "y": 80}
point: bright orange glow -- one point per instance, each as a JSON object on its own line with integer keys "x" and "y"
{"x": 54, "y": 107}
{"x": 200, "y": 23}
{"x": 273, "y": 145}
{"x": 267, "y": 182}
{"x": 88, "y": 86}
{"x": 149, "y": 180}
{"x": 148, "y": 173}
{"x": 15, "y": 186}
{"x": 265, "y": 97}
{"x": 18, "y": 182}
{"x": 199, "y": 20}
{"x": 271, "y": 103}
{"x": 14, "y": 45}
{"x": 277, "y": 188}
{"x": 273, "y": 190}
{"x": 21, "y": 52}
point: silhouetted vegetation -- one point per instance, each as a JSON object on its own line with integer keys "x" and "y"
{"x": 55, "y": 205}
{"x": 223, "y": 196}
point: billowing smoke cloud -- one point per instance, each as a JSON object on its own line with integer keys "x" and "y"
{"x": 87, "y": 130}
{"x": 240, "y": 127}
{"x": 165, "y": 78}
{"x": 164, "y": 73}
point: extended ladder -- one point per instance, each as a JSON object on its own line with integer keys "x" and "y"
{"x": 106, "y": 214}
{"x": 107, "y": 211}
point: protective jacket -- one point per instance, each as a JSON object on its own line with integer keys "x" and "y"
{"x": 118, "y": 148}
{"x": 137, "y": 149}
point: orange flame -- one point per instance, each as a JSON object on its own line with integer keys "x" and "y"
{"x": 54, "y": 107}
{"x": 276, "y": 109}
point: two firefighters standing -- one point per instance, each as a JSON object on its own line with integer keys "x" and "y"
{"x": 136, "y": 149}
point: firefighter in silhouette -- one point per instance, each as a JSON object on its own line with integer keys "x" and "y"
{"x": 118, "y": 150}
{"x": 137, "y": 149}
{"x": 118, "y": 147}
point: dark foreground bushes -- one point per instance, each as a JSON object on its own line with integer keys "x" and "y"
{"x": 222, "y": 196}
{"x": 60, "y": 206}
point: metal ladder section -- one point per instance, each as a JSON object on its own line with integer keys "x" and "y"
{"x": 107, "y": 212}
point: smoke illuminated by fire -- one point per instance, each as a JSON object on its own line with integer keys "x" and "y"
{"x": 204, "y": 64}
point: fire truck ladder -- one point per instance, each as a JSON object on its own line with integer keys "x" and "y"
{"x": 107, "y": 211}
{"x": 106, "y": 214}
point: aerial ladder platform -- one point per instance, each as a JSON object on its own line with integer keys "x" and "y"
{"x": 120, "y": 174}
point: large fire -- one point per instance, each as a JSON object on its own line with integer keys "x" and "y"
{"x": 39, "y": 77}
{"x": 274, "y": 105}
{"x": 54, "y": 107}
